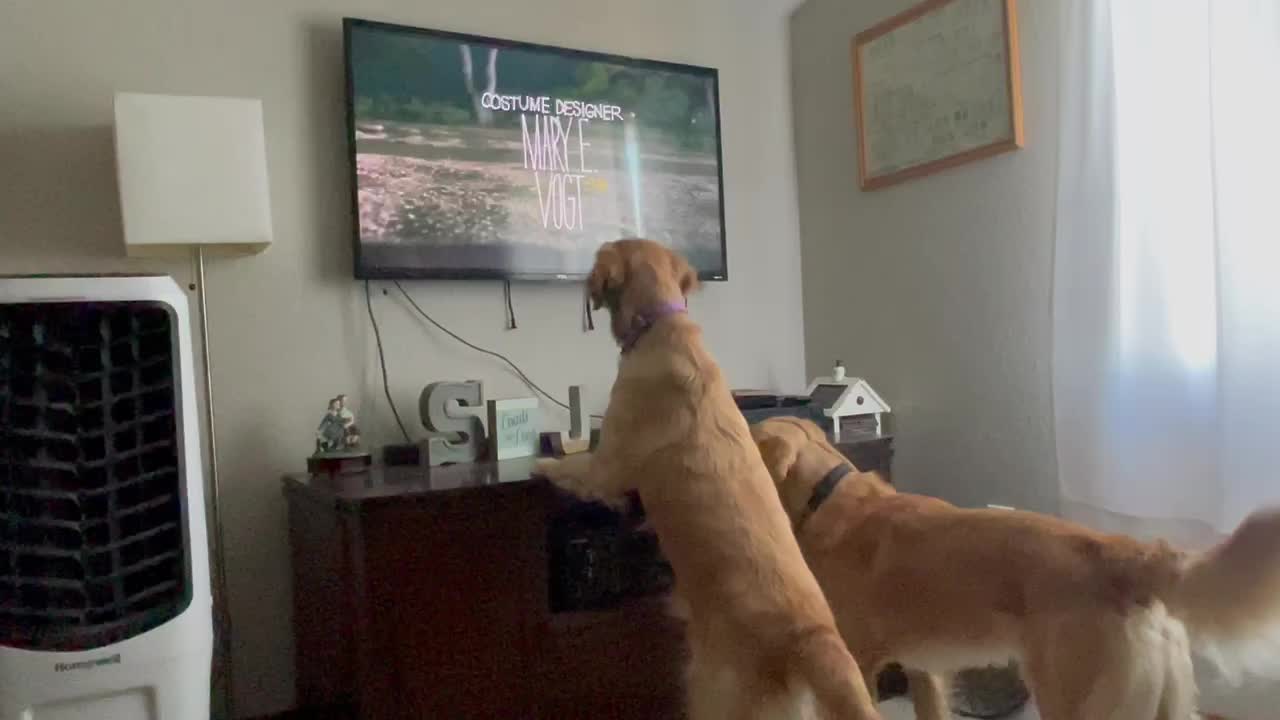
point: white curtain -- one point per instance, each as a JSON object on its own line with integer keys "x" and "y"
{"x": 1166, "y": 307}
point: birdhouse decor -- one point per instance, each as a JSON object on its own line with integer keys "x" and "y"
{"x": 848, "y": 403}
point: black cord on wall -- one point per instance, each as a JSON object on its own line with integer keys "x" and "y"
{"x": 382, "y": 361}
{"x": 515, "y": 368}
{"x": 511, "y": 310}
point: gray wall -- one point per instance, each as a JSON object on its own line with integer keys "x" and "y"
{"x": 936, "y": 290}
{"x": 289, "y": 327}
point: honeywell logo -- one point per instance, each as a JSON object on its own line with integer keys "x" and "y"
{"x": 87, "y": 664}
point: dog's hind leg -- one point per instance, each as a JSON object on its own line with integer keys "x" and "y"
{"x": 1179, "y": 699}
{"x": 928, "y": 695}
{"x": 1147, "y": 671}
{"x": 1113, "y": 668}
{"x": 1054, "y": 694}
{"x": 1178, "y": 702}
{"x": 1058, "y": 668}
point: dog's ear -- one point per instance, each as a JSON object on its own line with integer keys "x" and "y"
{"x": 686, "y": 276}
{"x": 606, "y": 275}
{"x": 779, "y": 455}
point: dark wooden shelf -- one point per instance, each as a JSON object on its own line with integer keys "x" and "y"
{"x": 426, "y": 593}
{"x": 647, "y": 607}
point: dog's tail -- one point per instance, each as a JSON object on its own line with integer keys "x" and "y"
{"x": 822, "y": 661}
{"x": 1229, "y": 598}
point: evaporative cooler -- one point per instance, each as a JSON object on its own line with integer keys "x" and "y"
{"x": 105, "y": 608}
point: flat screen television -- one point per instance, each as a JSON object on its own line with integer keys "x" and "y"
{"x": 473, "y": 157}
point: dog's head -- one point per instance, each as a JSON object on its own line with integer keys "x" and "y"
{"x": 632, "y": 275}
{"x": 798, "y": 455}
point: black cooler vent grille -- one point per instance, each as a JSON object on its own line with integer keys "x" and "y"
{"x": 93, "y": 544}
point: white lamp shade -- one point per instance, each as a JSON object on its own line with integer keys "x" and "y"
{"x": 192, "y": 171}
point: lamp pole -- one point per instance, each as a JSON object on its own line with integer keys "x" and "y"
{"x": 222, "y": 610}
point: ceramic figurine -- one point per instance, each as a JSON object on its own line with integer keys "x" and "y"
{"x": 337, "y": 432}
{"x": 351, "y": 434}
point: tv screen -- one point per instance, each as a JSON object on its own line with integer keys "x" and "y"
{"x": 473, "y": 157}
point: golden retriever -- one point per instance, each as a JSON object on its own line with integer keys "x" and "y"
{"x": 762, "y": 639}
{"x": 1102, "y": 625}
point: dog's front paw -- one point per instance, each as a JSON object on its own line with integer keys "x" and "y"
{"x": 558, "y": 472}
{"x": 546, "y": 468}
{"x": 577, "y": 476}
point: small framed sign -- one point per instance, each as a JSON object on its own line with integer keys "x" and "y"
{"x": 936, "y": 86}
{"x": 513, "y": 427}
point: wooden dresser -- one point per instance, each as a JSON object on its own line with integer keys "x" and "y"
{"x": 455, "y": 592}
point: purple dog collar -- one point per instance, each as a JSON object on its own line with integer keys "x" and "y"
{"x": 645, "y": 320}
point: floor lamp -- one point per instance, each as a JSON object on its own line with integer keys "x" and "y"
{"x": 193, "y": 181}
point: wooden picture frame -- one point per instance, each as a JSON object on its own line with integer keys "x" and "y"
{"x": 899, "y": 144}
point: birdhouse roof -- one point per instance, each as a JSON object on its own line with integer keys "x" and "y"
{"x": 846, "y": 403}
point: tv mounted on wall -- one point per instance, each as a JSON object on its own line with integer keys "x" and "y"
{"x": 473, "y": 157}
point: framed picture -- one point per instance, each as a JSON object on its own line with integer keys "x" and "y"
{"x": 934, "y": 87}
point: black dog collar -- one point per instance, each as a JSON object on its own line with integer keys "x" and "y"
{"x": 822, "y": 491}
